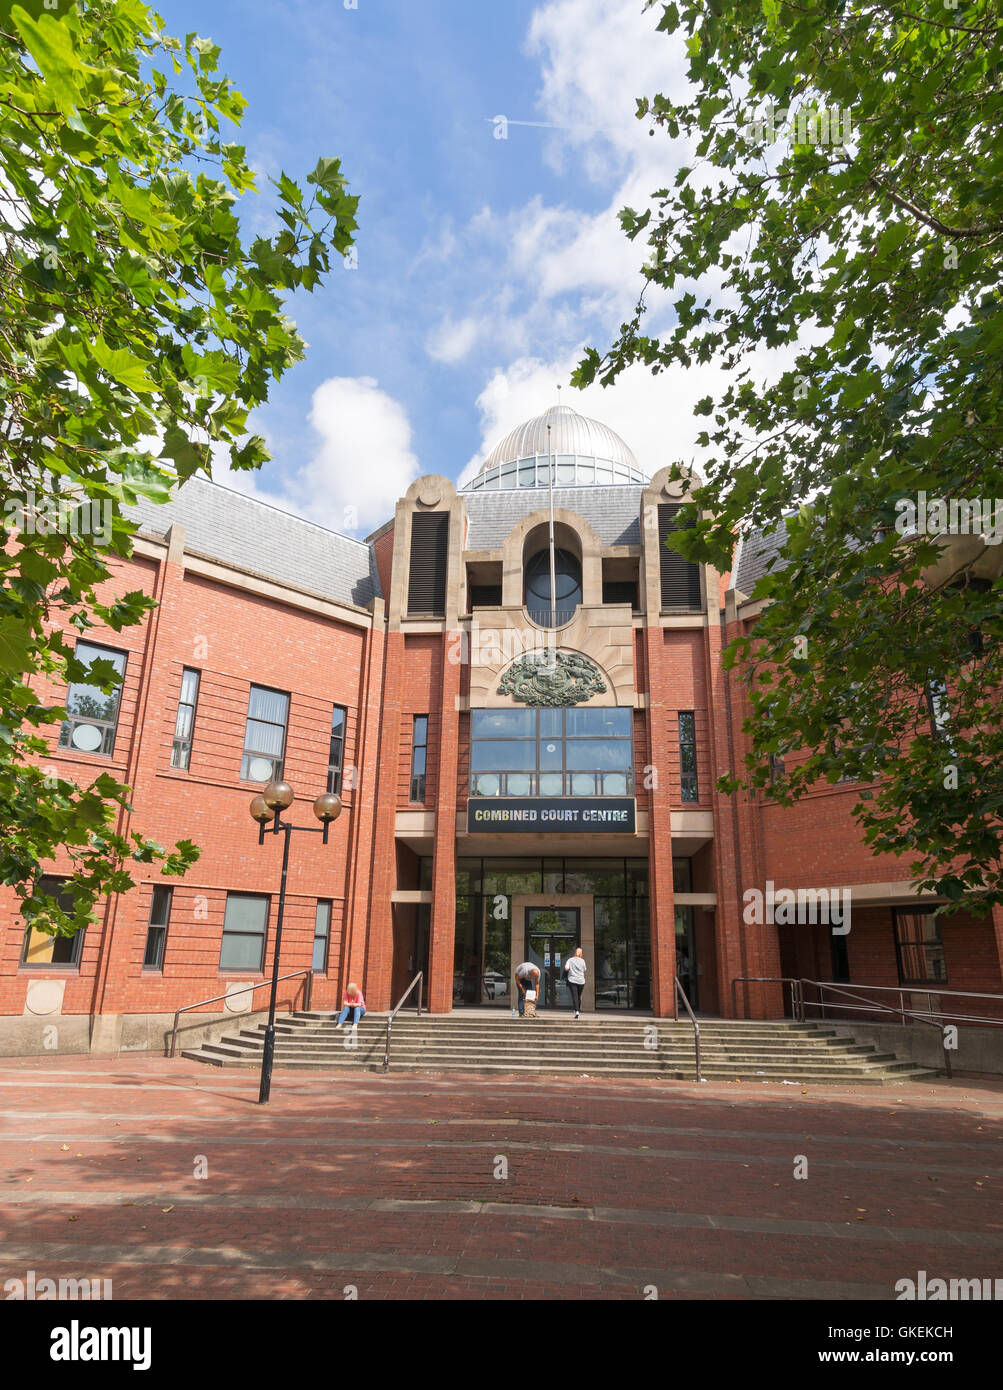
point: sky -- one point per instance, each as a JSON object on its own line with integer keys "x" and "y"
{"x": 484, "y": 265}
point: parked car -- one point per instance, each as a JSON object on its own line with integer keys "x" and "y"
{"x": 495, "y": 984}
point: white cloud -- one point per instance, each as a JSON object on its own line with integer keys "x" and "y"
{"x": 550, "y": 273}
{"x": 596, "y": 59}
{"x": 362, "y": 465}
{"x": 453, "y": 340}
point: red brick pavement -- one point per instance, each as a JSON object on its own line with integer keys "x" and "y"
{"x": 387, "y": 1186}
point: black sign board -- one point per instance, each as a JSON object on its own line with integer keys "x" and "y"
{"x": 589, "y": 815}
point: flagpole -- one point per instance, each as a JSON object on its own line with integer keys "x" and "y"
{"x": 553, "y": 566}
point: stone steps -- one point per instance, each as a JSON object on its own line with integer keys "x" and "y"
{"x": 752, "y": 1051}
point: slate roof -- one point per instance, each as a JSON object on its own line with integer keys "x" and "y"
{"x": 253, "y": 536}
{"x": 613, "y": 512}
{"x": 752, "y": 557}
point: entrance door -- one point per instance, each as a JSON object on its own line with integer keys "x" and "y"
{"x": 552, "y": 933}
{"x": 686, "y": 956}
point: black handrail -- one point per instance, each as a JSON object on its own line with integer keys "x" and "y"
{"x": 232, "y": 994}
{"x": 393, "y": 1013}
{"x": 681, "y": 994}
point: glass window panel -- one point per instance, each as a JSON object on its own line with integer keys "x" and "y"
{"x": 586, "y": 470}
{"x": 527, "y": 473}
{"x": 598, "y": 754}
{"x": 552, "y": 784}
{"x": 468, "y": 876}
{"x": 418, "y": 762}
{"x": 553, "y": 876}
{"x": 637, "y": 877}
{"x": 256, "y": 768}
{"x": 497, "y": 755}
{"x": 338, "y": 720}
{"x": 88, "y": 702}
{"x": 183, "y": 723}
{"x": 550, "y": 723}
{"x": 245, "y": 913}
{"x": 487, "y": 784}
{"x": 603, "y": 876}
{"x": 604, "y": 473}
{"x": 264, "y": 738}
{"x": 518, "y": 785}
{"x": 242, "y": 952}
{"x": 583, "y": 784}
{"x": 503, "y": 723}
{"x": 551, "y": 754}
{"x": 160, "y": 908}
{"x": 599, "y": 722}
{"x": 614, "y": 784}
{"x": 490, "y": 480}
{"x": 565, "y": 470}
{"x": 189, "y": 686}
{"x": 269, "y": 705}
{"x": 512, "y": 876}
{"x": 507, "y": 475}
{"x": 153, "y": 957}
{"x": 543, "y": 471}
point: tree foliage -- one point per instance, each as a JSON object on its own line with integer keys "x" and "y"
{"x": 137, "y": 332}
{"x": 872, "y": 265}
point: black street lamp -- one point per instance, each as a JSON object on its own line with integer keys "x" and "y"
{"x": 275, "y": 799}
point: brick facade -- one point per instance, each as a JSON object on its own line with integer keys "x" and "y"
{"x": 238, "y": 630}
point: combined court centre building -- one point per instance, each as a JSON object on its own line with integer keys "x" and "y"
{"x": 525, "y": 737}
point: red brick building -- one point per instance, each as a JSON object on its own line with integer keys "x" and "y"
{"x": 526, "y": 740}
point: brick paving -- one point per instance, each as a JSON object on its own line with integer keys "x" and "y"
{"x": 388, "y": 1186}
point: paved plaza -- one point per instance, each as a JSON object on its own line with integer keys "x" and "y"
{"x": 425, "y": 1187}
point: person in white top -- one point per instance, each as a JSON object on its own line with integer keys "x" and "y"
{"x": 575, "y": 969}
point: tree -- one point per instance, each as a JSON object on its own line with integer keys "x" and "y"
{"x": 847, "y": 192}
{"x": 136, "y": 333}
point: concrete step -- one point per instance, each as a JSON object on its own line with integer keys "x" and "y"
{"x": 670, "y": 1073}
{"x": 564, "y": 1046}
{"x": 640, "y": 1063}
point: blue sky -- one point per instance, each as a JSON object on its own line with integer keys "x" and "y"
{"x": 484, "y": 264}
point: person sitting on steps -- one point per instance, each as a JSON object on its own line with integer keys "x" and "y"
{"x": 354, "y": 1005}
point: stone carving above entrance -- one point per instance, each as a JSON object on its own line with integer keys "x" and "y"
{"x": 553, "y": 678}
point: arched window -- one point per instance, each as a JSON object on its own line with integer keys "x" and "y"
{"x": 567, "y": 588}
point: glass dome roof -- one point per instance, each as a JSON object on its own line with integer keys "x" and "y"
{"x": 586, "y": 454}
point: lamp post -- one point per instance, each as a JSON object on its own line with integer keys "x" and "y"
{"x": 268, "y": 807}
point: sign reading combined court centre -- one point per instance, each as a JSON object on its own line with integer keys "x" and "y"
{"x": 590, "y": 815}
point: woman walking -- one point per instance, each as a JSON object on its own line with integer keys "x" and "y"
{"x": 575, "y": 968}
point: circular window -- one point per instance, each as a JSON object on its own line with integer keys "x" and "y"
{"x": 86, "y": 737}
{"x": 567, "y": 588}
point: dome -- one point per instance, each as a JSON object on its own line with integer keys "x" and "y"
{"x": 586, "y": 454}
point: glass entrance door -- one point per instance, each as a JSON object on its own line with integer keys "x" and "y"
{"x": 686, "y": 969}
{"x": 552, "y": 933}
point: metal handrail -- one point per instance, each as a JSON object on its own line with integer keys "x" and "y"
{"x": 902, "y": 991}
{"x": 232, "y": 994}
{"x": 911, "y": 1013}
{"x": 681, "y": 994}
{"x": 394, "y": 1012}
{"x": 936, "y": 1018}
